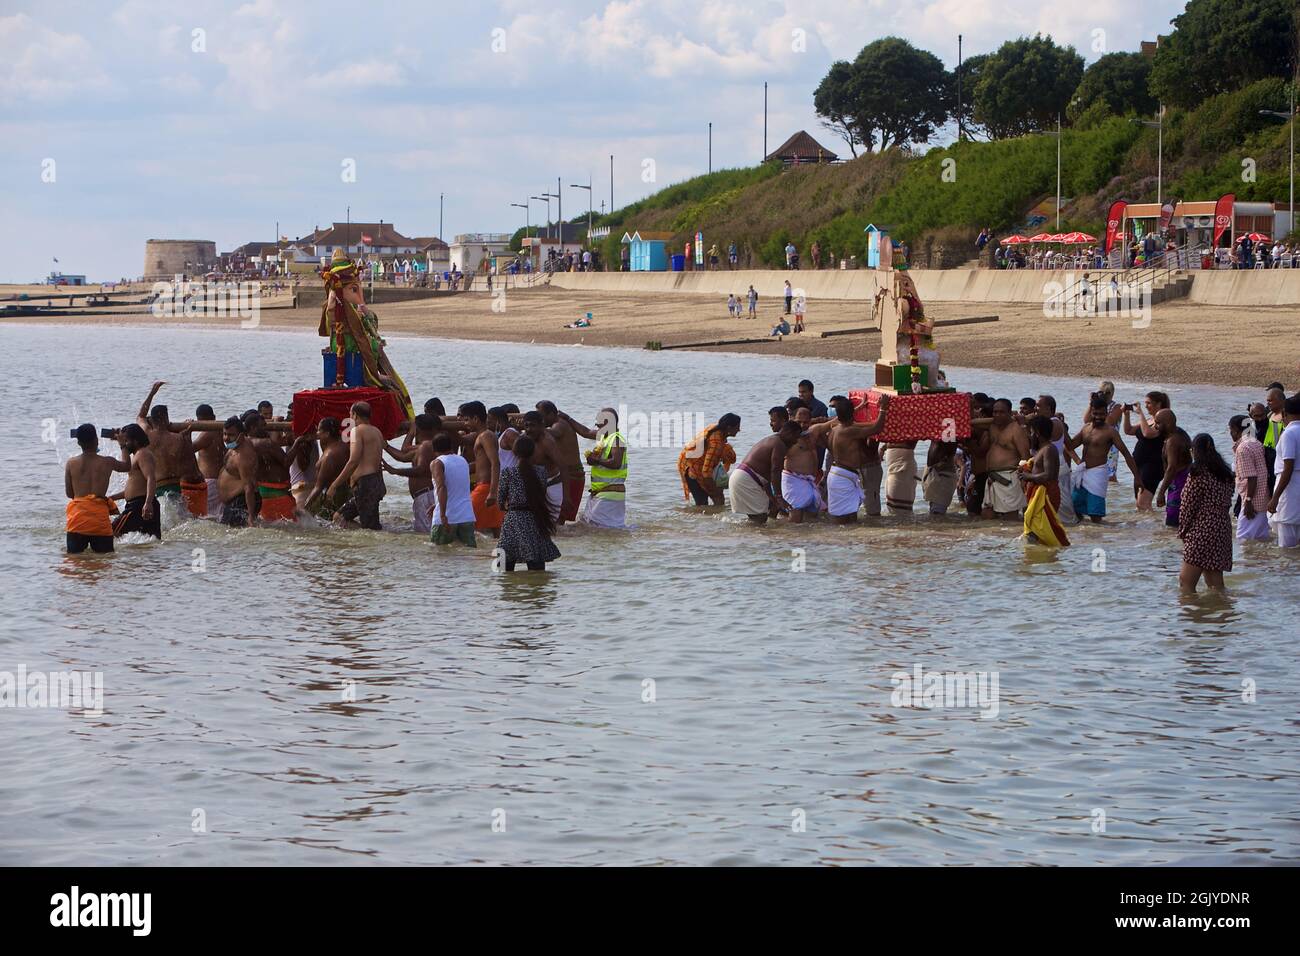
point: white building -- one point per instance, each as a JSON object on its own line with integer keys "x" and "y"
{"x": 470, "y": 252}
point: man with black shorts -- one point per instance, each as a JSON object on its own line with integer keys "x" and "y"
{"x": 90, "y": 511}
{"x": 363, "y": 472}
{"x": 140, "y": 510}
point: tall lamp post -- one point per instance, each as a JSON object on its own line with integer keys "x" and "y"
{"x": 1159, "y": 126}
{"x": 1290, "y": 117}
{"x": 525, "y": 207}
{"x": 588, "y": 188}
{"x": 548, "y": 197}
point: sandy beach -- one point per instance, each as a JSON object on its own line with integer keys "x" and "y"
{"x": 1184, "y": 343}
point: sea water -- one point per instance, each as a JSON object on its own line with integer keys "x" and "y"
{"x": 695, "y": 690}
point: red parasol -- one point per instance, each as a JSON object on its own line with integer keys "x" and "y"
{"x": 1077, "y": 238}
{"x": 1042, "y": 237}
{"x": 1014, "y": 240}
{"x": 1253, "y": 237}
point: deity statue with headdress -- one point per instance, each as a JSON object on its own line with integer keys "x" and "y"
{"x": 353, "y": 331}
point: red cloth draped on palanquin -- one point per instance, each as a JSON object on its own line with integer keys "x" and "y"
{"x": 311, "y": 406}
{"x": 933, "y": 415}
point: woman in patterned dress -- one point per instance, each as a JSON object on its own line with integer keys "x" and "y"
{"x": 1205, "y": 519}
{"x": 528, "y": 526}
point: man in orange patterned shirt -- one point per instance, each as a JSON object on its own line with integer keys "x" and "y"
{"x": 701, "y": 457}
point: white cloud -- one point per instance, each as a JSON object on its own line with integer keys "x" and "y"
{"x": 37, "y": 63}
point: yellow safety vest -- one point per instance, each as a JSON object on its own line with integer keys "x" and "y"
{"x": 1273, "y": 433}
{"x": 602, "y": 477}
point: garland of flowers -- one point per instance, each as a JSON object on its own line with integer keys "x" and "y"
{"x": 915, "y": 358}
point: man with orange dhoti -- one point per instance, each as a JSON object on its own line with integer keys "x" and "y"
{"x": 90, "y": 511}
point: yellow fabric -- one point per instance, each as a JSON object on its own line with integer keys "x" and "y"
{"x": 1040, "y": 521}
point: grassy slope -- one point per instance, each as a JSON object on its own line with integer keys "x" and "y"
{"x": 992, "y": 184}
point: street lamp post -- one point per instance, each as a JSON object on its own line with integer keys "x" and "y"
{"x": 588, "y": 188}
{"x": 1058, "y": 172}
{"x": 525, "y": 207}
{"x": 1291, "y": 118}
{"x": 1159, "y": 127}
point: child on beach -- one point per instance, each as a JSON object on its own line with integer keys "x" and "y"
{"x": 528, "y": 526}
{"x": 731, "y": 306}
{"x": 800, "y": 304}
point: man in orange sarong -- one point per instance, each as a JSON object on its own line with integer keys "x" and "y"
{"x": 86, "y": 477}
{"x": 278, "y": 502}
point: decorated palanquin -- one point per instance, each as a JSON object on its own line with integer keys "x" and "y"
{"x": 922, "y": 405}
{"x": 356, "y": 368}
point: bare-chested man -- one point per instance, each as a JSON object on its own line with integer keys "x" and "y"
{"x": 363, "y": 473}
{"x": 940, "y": 479}
{"x": 237, "y": 482}
{"x": 846, "y": 442}
{"x": 140, "y": 507}
{"x": 278, "y": 502}
{"x": 547, "y": 455}
{"x": 1098, "y": 437}
{"x": 479, "y": 444}
{"x": 1177, "y": 454}
{"x": 575, "y": 478}
{"x": 1008, "y": 447}
{"x": 85, "y": 479}
{"x": 333, "y": 459}
{"x": 174, "y": 457}
{"x": 1045, "y": 467}
{"x": 755, "y": 483}
{"x": 801, "y": 478}
{"x": 419, "y": 477}
{"x": 209, "y": 453}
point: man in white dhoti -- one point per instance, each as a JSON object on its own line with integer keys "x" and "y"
{"x": 800, "y": 480}
{"x": 754, "y": 483}
{"x": 847, "y": 444}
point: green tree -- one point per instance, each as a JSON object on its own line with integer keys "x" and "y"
{"x": 901, "y": 92}
{"x": 1118, "y": 82}
{"x": 1222, "y": 45}
{"x": 890, "y": 95}
{"x": 833, "y": 101}
{"x": 1024, "y": 85}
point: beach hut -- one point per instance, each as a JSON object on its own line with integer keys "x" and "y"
{"x": 647, "y": 251}
{"x": 877, "y": 239}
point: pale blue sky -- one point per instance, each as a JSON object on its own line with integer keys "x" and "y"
{"x": 152, "y": 139}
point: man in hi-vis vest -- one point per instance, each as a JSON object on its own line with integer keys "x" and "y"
{"x": 607, "y": 494}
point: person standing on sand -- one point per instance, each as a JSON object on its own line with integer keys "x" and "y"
{"x": 800, "y": 304}
{"x": 789, "y": 296}
{"x": 1204, "y": 519}
{"x": 753, "y": 303}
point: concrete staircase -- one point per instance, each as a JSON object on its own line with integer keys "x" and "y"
{"x": 1173, "y": 285}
